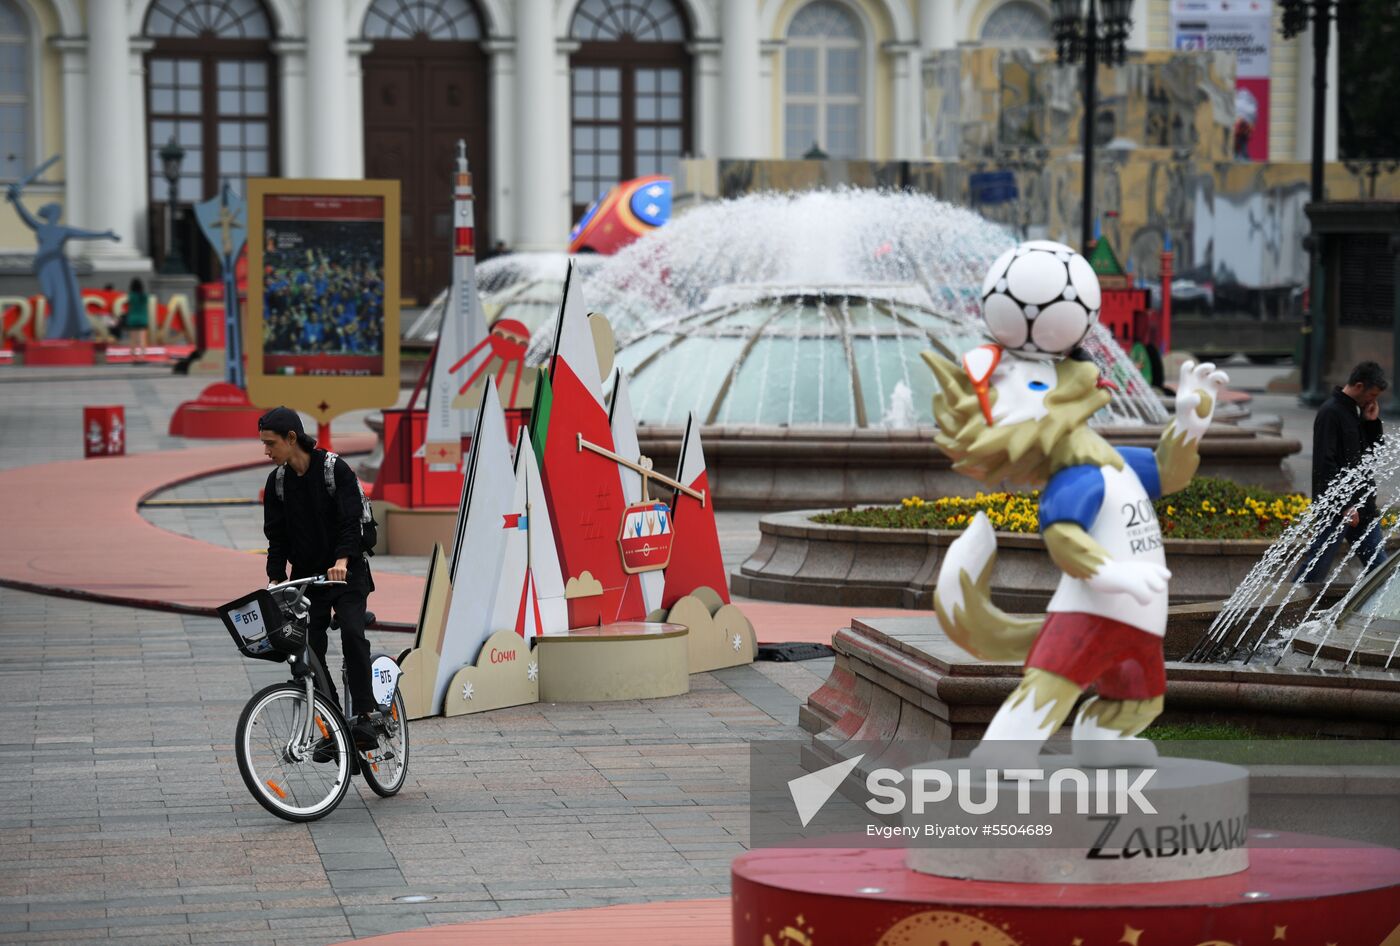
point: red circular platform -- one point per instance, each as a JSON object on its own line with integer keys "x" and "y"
{"x": 1298, "y": 890}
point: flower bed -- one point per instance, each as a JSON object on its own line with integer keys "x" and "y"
{"x": 1209, "y": 508}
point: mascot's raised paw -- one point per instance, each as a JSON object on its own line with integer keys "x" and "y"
{"x": 1143, "y": 580}
{"x": 1197, "y": 394}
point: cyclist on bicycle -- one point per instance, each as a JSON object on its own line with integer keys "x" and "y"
{"x": 319, "y": 533}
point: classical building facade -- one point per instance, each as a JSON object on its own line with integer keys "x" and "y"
{"x": 555, "y": 98}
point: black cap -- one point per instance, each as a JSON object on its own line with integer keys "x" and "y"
{"x": 283, "y": 421}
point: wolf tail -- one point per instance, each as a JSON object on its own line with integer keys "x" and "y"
{"x": 962, "y": 599}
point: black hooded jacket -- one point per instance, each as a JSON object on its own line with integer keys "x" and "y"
{"x": 1340, "y": 438}
{"x": 309, "y": 527}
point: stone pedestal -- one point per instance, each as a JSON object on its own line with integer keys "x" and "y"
{"x": 629, "y": 660}
{"x": 1179, "y": 819}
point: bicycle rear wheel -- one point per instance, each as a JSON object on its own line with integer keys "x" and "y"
{"x": 386, "y": 768}
{"x": 281, "y": 773}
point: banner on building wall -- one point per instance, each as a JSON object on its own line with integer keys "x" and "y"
{"x": 1245, "y": 28}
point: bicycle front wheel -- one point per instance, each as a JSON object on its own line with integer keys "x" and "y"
{"x": 386, "y": 768}
{"x": 294, "y": 780}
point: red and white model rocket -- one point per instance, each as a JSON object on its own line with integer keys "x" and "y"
{"x": 462, "y": 346}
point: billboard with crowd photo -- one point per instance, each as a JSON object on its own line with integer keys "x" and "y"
{"x": 322, "y": 327}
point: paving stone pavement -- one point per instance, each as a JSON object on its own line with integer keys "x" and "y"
{"x": 123, "y": 816}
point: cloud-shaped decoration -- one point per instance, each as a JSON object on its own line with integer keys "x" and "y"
{"x": 713, "y": 627}
{"x": 500, "y": 677}
{"x": 583, "y": 586}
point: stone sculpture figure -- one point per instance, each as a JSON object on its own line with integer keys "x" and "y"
{"x": 57, "y": 281}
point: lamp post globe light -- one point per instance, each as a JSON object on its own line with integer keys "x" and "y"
{"x": 171, "y": 157}
{"x": 1091, "y": 32}
{"x": 1296, "y": 17}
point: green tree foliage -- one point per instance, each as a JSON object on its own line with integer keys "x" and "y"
{"x": 1369, "y": 32}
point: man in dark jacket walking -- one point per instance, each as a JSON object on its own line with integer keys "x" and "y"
{"x": 319, "y": 533}
{"x": 1346, "y": 426}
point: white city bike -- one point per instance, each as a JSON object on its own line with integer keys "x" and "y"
{"x": 294, "y": 744}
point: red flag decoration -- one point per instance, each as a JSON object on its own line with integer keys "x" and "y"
{"x": 695, "y": 555}
{"x": 584, "y": 490}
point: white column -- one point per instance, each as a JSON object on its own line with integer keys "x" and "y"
{"x": 739, "y": 80}
{"x": 705, "y": 55}
{"x": 908, "y": 96}
{"x": 326, "y": 53}
{"x": 1303, "y": 120}
{"x": 773, "y": 138}
{"x": 503, "y": 143}
{"x": 1137, "y": 36}
{"x": 355, "y": 109}
{"x": 563, "y": 166}
{"x": 136, "y": 147}
{"x": 291, "y": 86}
{"x": 75, "y": 145}
{"x": 111, "y": 194}
{"x": 538, "y": 202}
{"x": 938, "y": 25}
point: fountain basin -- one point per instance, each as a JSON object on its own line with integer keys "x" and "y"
{"x": 778, "y": 468}
{"x": 782, "y": 468}
{"x": 798, "y": 560}
{"x": 903, "y": 679}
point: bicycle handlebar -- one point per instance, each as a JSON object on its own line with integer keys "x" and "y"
{"x": 295, "y": 582}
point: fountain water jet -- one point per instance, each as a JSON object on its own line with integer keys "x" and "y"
{"x": 1274, "y": 614}
{"x": 823, "y": 244}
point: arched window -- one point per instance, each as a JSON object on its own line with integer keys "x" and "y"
{"x": 427, "y": 84}
{"x": 210, "y": 83}
{"x": 1017, "y": 22}
{"x": 631, "y": 93}
{"x": 422, "y": 19}
{"x": 823, "y": 81}
{"x": 15, "y": 115}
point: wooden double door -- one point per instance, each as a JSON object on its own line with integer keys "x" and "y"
{"x": 420, "y": 97}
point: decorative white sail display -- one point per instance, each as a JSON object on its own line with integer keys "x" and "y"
{"x": 488, "y": 496}
{"x": 530, "y": 595}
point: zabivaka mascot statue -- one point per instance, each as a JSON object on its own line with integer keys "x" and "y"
{"x": 1017, "y": 412}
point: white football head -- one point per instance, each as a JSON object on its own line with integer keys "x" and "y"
{"x": 1040, "y": 299}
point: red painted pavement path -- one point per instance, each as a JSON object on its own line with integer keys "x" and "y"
{"x": 674, "y": 923}
{"x": 76, "y": 530}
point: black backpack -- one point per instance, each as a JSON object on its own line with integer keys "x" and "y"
{"x": 369, "y": 529}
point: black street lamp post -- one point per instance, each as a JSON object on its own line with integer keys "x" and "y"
{"x": 1082, "y": 36}
{"x": 171, "y": 157}
{"x": 1296, "y": 14}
